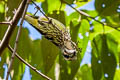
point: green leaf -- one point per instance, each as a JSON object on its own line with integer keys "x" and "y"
{"x": 61, "y": 16}
{"x": 68, "y": 1}
{"x": 4, "y": 58}
{"x": 12, "y": 7}
{"x": 64, "y": 72}
{"x": 49, "y": 53}
{"x": 2, "y": 31}
{"x": 51, "y": 5}
{"x": 39, "y": 1}
{"x": 74, "y": 29}
{"x": 84, "y": 31}
{"x": 73, "y": 17}
{"x": 117, "y": 73}
{"x": 80, "y": 3}
{"x": 104, "y": 48}
{"x": 107, "y": 7}
{"x": 36, "y": 59}
{"x": 92, "y": 13}
{"x": 86, "y": 72}
{"x": 2, "y": 4}
{"x": 113, "y": 20}
{"x": 96, "y": 67}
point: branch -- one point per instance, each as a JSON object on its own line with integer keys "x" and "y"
{"x": 26, "y": 63}
{"x": 7, "y": 23}
{"x": 17, "y": 38}
{"x": 11, "y": 27}
{"x": 30, "y": 66}
{"x": 87, "y": 15}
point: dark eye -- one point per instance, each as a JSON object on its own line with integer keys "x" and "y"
{"x": 66, "y": 56}
{"x": 40, "y": 22}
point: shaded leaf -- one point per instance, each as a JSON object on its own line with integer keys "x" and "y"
{"x": 104, "y": 57}
{"x": 61, "y": 16}
{"x": 36, "y": 59}
{"x": 12, "y": 7}
{"x": 49, "y": 52}
{"x": 107, "y": 7}
{"x": 113, "y": 20}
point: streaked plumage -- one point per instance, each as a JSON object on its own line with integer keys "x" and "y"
{"x": 56, "y": 32}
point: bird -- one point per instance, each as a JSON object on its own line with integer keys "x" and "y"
{"x": 55, "y": 32}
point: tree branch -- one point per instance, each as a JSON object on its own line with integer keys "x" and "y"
{"x": 8, "y": 23}
{"x": 26, "y": 63}
{"x": 30, "y": 66}
{"x": 87, "y": 15}
{"x": 11, "y": 27}
{"x": 17, "y": 38}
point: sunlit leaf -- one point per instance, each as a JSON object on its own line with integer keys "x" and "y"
{"x": 49, "y": 52}
{"x": 117, "y": 77}
{"x": 51, "y": 5}
{"x": 2, "y": 7}
{"x": 84, "y": 36}
{"x": 39, "y": 0}
{"x": 80, "y": 3}
{"x": 86, "y": 72}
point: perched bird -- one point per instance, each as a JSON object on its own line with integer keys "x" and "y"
{"x": 56, "y": 32}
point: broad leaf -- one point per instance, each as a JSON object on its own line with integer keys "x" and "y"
{"x": 103, "y": 55}
{"x": 107, "y": 7}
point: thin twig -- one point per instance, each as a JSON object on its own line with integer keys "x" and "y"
{"x": 87, "y": 15}
{"x": 8, "y": 23}
{"x": 11, "y": 27}
{"x": 30, "y": 66}
{"x": 40, "y": 10}
{"x": 17, "y": 38}
{"x": 82, "y": 13}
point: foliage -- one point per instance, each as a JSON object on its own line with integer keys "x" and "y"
{"x": 46, "y": 57}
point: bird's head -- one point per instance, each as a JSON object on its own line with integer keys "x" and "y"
{"x": 69, "y": 51}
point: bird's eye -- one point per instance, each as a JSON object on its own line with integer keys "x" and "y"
{"x": 40, "y": 22}
{"x": 66, "y": 56}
